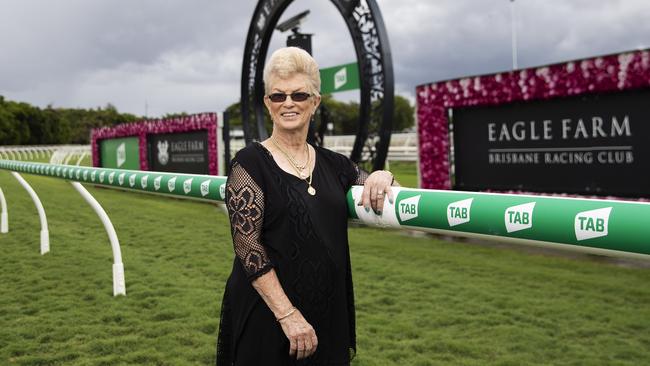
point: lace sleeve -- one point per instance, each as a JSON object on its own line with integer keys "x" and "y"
{"x": 361, "y": 175}
{"x": 245, "y": 202}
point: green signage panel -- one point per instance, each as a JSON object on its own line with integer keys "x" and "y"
{"x": 122, "y": 153}
{"x": 339, "y": 78}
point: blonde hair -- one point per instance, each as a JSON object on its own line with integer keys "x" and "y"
{"x": 288, "y": 61}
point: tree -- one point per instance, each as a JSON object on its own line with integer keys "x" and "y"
{"x": 403, "y": 114}
{"x": 235, "y": 117}
{"x": 20, "y": 132}
{"x": 8, "y": 125}
{"x": 344, "y": 116}
{"x": 22, "y": 123}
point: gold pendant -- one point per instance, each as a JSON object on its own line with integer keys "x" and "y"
{"x": 311, "y": 190}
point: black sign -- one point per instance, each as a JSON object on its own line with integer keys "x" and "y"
{"x": 592, "y": 144}
{"x": 179, "y": 152}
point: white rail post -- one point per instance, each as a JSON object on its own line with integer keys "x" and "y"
{"x": 119, "y": 287}
{"x": 68, "y": 156}
{"x": 45, "y": 234}
{"x": 53, "y": 157}
{"x": 4, "y": 216}
{"x": 83, "y": 155}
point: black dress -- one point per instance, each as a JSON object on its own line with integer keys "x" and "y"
{"x": 276, "y": 224}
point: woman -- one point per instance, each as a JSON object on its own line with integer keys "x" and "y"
{"x": 289, "y": 298}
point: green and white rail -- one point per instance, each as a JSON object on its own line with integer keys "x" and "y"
{"x": 619, "y": 228}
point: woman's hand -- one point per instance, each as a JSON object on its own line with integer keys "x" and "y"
{"x": 301, "y": 335}
{"x": 376, "y": 186}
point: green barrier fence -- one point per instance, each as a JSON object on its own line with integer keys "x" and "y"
{"x": 205, "y": 187}
{"x": 599, "y": 226}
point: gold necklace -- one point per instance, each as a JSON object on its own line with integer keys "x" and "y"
{"x": 299, "y": 166}
{"x": 291, "y": 159}
{"x": 311, "y": 190}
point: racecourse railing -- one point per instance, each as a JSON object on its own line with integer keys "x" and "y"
{"x": 58, "y": 154}
{"x": 609, "y": 227}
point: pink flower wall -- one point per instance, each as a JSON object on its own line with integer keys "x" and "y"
{"x": 202, "y": 121}
{"x": 622, "y": 71}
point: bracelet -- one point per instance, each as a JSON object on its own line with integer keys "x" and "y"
{"x": 293, "y": 310}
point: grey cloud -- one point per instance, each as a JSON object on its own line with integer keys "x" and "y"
{"x": 187, "y": 55}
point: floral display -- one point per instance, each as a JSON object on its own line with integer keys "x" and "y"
{"x": 624, "y": 71}
{"x": 202, "y": 121}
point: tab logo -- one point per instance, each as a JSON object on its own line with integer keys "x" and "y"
{"x": 171, "y": 184}
{"x": 519, "y": 217}
{"x": 111, "y": 177}
{"x": 120, "y": 178}
{"x": 78, "y": 173}
{"x": 132, "y": 180}
{"x": 340, "y": 78}
{"x": 101, "y": 177}
{"x": 143, "y": 181}
{"x": 156, "y": 183}
{"x": 222, "y": 191}
{"x": 592, "y": 224}
{"x": 187, "y": 186}
{"x": 92, "y": 175}
{"x": 121, "y": 154}
{"x": 408, "y": 208}
{"x": 65, "y": 170}
{"x": 205, "y": 188}
{"x": 85, "y": 175}
{"x": 459, "y": 212}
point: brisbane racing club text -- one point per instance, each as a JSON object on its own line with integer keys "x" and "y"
{"x": 588, "y": 134}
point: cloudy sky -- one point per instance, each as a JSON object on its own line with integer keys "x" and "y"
{"x": 173, "y": 56}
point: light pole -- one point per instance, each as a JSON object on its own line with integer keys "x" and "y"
{"x": 514, "y": 34}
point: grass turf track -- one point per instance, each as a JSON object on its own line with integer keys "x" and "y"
{"x": 420, "y": 301}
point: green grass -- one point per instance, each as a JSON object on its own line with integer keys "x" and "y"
{"x": 420, "y": 301}
{"x": 405, "y": 173}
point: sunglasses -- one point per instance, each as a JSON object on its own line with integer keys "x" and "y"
{"x": 295, "y": 96}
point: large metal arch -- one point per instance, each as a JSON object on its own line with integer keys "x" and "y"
{"x": 366, "y": 27}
